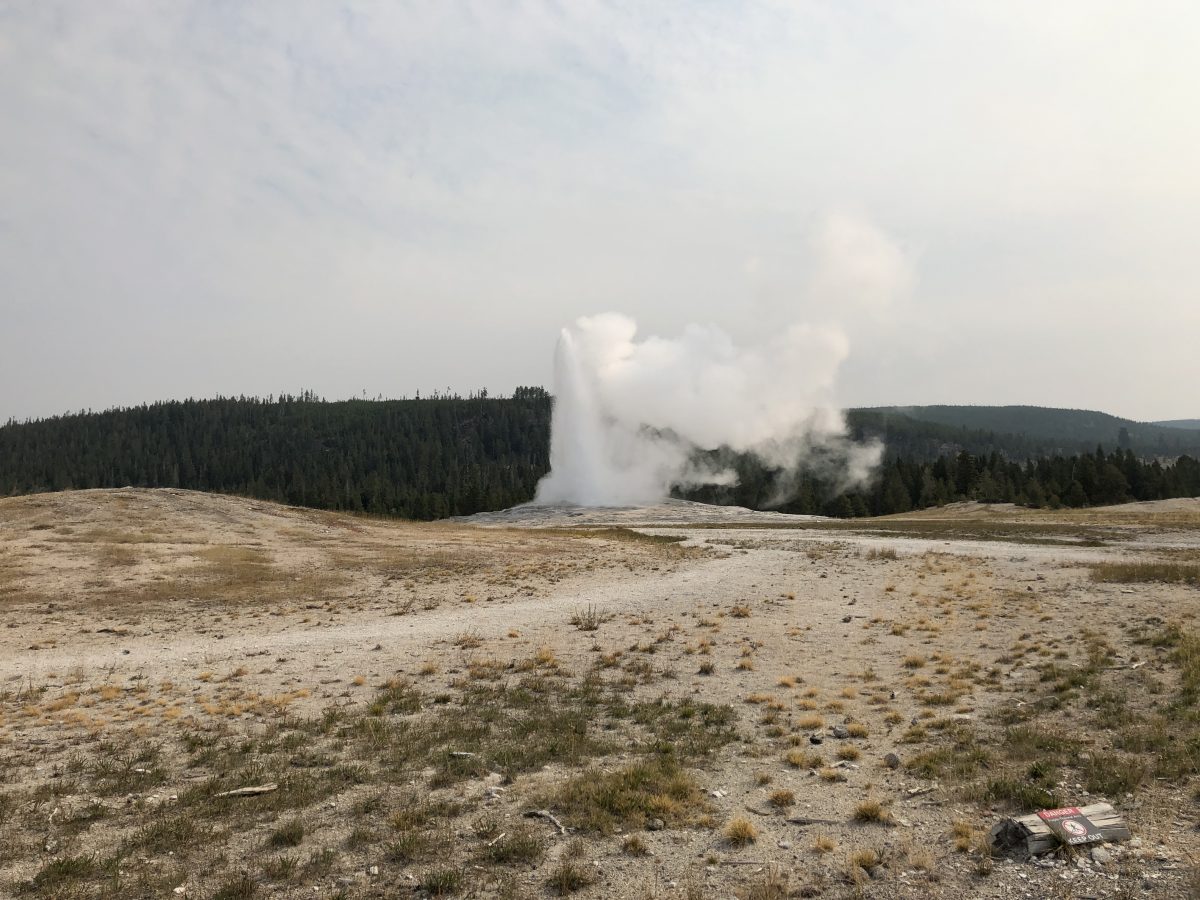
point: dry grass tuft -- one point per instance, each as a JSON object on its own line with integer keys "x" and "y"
{"x": 803, "y": 759}
{"x": 741, "y": 831}
{"x": 782, "y": 798}
{"x": 872, "y": 812}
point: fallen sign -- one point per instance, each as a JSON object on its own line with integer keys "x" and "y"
{"x": 1071, "y": 826}
{"x": 1043, "y": 831}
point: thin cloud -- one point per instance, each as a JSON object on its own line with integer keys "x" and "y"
{"x": 199, "y": 198}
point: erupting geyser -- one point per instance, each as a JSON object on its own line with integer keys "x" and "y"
{"x": 585, "y": 471}
{"x": 629, "y": 415}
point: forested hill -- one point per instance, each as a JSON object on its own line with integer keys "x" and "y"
{"x": 1033, "y": 431}
{"x": 422, "y": 459}
{"x": 444, "y": 456}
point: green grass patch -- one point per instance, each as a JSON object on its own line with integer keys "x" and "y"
{"x": 655, "y": 788}
{"x": 1153, "y": 572}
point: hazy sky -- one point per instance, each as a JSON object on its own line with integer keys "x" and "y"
{"x": 999, "y": 202}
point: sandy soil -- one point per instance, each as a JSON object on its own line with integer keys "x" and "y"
{"x": 155, "y": 616}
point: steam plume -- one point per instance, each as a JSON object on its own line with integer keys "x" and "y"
{"x": 631, "y": 413}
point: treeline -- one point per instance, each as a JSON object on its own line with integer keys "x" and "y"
{"x": 1087, "y": 479}
{"x": 449, "y": 455}
{"x": 420, "y": 459}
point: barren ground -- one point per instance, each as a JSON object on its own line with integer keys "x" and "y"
{"x": 664, "y": 683}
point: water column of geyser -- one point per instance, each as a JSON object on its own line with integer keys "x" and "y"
{"x": 585, "y": 450}
{"x": 576, "y": 463}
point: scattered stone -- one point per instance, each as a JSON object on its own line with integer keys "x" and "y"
{"x": 373, "y": 870}
{"x": 815, "y": 739}
{"x": 656, "y": 825}
{"x": 1101, "y": 856}
{"x": 840, "y": 732}
{"x": 892, "y": 761}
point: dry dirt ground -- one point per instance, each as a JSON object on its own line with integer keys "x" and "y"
{"x": 699, "y": 703}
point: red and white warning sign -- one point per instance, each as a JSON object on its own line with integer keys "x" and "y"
{"x": 1071, "y": 826}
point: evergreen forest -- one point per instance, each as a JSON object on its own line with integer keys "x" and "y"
{"x": 450, "y": 455}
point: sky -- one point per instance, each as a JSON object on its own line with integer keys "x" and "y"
{"x": 995, "y": 202}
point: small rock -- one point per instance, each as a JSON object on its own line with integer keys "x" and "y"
{"x": 815, "y": 739}
{"x": 656, "y": 825}
{"x": 784, "y": 845}
{"x": 840, "y": 732}
{"x": 373, "y": 870}
{"x": 892, "y": 761}
{"x": 1100, "y": 855}
{"x": 179, "y": 891}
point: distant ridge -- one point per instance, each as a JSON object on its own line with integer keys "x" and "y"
{"x": 1191, "y": 424}
{"x": 1055, "y": 430}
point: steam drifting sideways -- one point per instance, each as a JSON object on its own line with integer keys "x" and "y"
{"x": 631, "y": 416}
